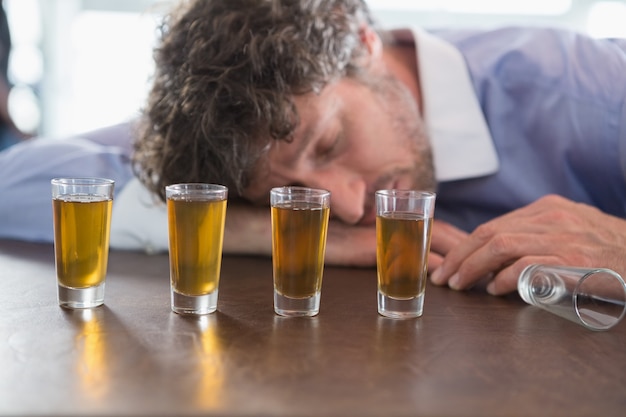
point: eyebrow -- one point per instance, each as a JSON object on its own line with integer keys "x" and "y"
{"x": 302, "y": 143}
{"x": 311, "y": 131}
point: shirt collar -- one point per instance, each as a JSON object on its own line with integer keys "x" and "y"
{"x": 460, "y": 138}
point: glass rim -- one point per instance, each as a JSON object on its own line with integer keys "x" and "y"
{"x": 196, "y": 186}
{"x": 82, "y": 181}
{"x": 202, "y": 190}
{"x": 300, "y": 190}
{"x": 591, "y": 274}
{"x": 393, "y": 192}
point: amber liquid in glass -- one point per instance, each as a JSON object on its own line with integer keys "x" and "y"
{"x": 299, "y": 244}
{"x": 196, "y": 233}
{"x": 403, "y": 242}
{"x": 82, "y": 229}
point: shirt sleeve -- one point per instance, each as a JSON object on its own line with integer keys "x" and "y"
{"x": 139, "y": 220}
{"x": 27, "y": 168}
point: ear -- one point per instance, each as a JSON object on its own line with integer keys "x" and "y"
{"x": 371, "y": 40}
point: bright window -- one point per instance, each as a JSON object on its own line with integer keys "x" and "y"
{"x": 607, "y": 19}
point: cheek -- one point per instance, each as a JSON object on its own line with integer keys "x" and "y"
{"x": 382, "y": 149}
{"x": 376, "y": 137}
{"x": 372, "y": 140}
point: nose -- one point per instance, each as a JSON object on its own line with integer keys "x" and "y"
{"x": 347, "y": 196}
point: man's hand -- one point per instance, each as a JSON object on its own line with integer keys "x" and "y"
{"x": 552, "y": 230}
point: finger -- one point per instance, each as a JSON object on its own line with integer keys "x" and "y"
{"x": 434, "y": 261}
{"x": 457, "y": 254}
{"x": 498, "y": 253}
{"x": 445, "y": 237}
{"x": 525, "y": 220}
{"x": 505, "y": 281}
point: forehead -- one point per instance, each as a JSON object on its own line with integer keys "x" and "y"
{"x": 316, "y": 112}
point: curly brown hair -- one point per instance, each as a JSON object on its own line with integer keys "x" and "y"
{"x": 226, "y": 73}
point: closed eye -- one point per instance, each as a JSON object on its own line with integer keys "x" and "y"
{"x": 328, "y": 151}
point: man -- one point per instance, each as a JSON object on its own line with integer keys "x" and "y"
{"x": 254, "y": 94}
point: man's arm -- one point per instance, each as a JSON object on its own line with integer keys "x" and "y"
{"x": 249, "y": 231}
{"x": 140, "y": 223}
{"x": 552, "y": 230}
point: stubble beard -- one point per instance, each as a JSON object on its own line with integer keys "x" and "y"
{"x": 408, "y": 127}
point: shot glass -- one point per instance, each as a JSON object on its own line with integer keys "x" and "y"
{"x": 81, "y": 209}
{"x": 196, "y": 214}
{"x": 403, "y": 228}
{"x": 592, "y": 297}
{"x": 299, "y": 228}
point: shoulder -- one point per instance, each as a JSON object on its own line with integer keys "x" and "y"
{"x": 558, "y": 59}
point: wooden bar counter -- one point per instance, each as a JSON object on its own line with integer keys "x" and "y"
{"x": 471, "y": 354}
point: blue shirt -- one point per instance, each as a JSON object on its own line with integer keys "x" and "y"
{"x": 555, "y": 104}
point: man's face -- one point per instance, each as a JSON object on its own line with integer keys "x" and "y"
{"x": 354, "y": 138}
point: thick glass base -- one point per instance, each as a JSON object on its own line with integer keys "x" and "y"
{"x": 194, "y": 304}
{"x": 400, "y": 308}
{"x": 80, "y": 297}
{"x": 294, "y": 307}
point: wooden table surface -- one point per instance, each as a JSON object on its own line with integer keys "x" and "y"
{"x": 471, "y": 354}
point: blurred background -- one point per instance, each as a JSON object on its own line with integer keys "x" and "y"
{"x": 77, "y": 65}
